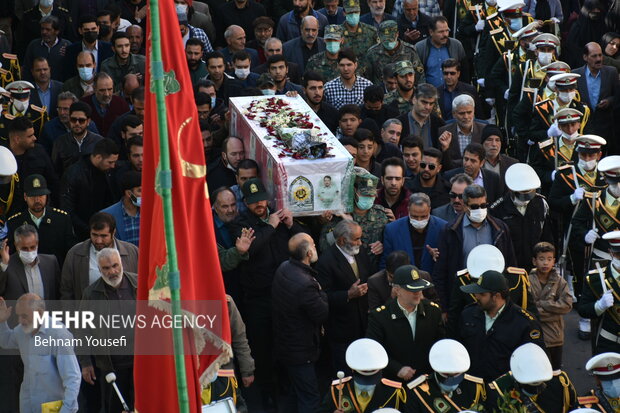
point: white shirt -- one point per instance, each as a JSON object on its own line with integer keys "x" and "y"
{"x": 94, "y": 51}
{"x": 411, "y": 317}
{"x": 488, "y": 320}
{"x": 350, "y": 258}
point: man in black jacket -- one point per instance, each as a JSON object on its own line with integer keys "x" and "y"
{"x": 299, "y": 309}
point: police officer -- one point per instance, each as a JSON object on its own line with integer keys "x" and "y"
{"x": 525, "y": 211}
{"x": 532, "y": 384}
{"x": 366, "y": 390}
{"x": 392, "y": 50}
{"x": 8, "y": 181}
{"x": 19, "y": 105}
{"x": 597, "y": 300}
{"x": 449, "y": 388}
{"x": 494, "y": 327}
{"x": 358, "y": 36}
{"x": 53, "y": 225}
{"x": 407, "y": 326}
{"x": 606, "y": 370}
{"x": 326, "y": 62}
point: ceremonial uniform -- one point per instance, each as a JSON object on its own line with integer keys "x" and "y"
{"x": 377, "y": 57}
{"x": 8, "y": 170}
{"x": 32, "y": 19}
{"x": 606, "y": 368}
{"x": 225, "y": 385}
{"x": 21, "y": 90}
{"x": 544, "y": 112}
{"x": 387, "y": 393}
{"x": 428, "y": 397}
{"x": 359, "y": 39}
{"x": 10, "y": 71}
{"x": 597, "y": 400}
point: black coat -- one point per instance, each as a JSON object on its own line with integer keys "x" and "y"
{"x": 299, "y": 309}
{"x": 36, "y": 161}
{"x": 347, "y": 318}
{"x": 451, "y": 254}
{"x": 439, "y": 193}
{"x": 423, "y": 24}
{"x": 220, "y": 175}
{"x": 436, "y": 123}
{"x": 389, "y": 326}
{"x": 490, "y": 351}
{"x": 490, "y": 180}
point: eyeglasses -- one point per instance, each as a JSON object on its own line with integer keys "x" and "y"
{"x": 430, "y": 166}
{"x": 453, "y": 195}
{"x": 78, "y": 120}
{"x": 449, "y": 73}
{"x": 477, "y": 206}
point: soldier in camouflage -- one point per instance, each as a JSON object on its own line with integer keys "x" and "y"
{"x": 357, "y": 36}
{"x": 391, "y": 50}
{"x": 405, "y": 78}
{"x": 326, "y": 63}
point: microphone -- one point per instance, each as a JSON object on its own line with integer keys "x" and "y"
{"x": 111, "y": 378}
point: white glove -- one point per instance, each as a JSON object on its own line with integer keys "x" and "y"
{"x": 603, "y": 303}
{"x": 591, "y": 236}
{"x": 553, "y": 175}
{"x": 480, "y": 25}
{"x": 506, "y": 93}
{"x": 490, "y": 101}
{"x": 577, "y": 195}
{"x": 553, "y": 130}
{"x": 555, "y": 20}
{"x": 480, "y": 82}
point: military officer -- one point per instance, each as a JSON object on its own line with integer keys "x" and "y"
{"x": 401, "y": 97}
{"x": 326, "y": 62}
{"x": 358, "y": 36}
{"x": 19, "y": 105}
{"x": 407, "y": 326}
{"x": 606, "y": 397}
{"x": 53, "y": 225}
{"x": 449, "y": 389}
{"x": 10, "y": 70}
{"x": 598, "y": 300}
{"x": 366, "y": 390}
{"x": 30, "y": 23}
{"x": 472, "y": 22}
{"x": 8, "y": 181}
{"x": 531, "y": 383}
{"x": 391, "y": 50}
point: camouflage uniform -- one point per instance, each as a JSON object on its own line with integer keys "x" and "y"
{"x": 328, "y": 68}
{"x": 394, "y": 98}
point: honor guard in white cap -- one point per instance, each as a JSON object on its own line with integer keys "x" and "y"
{"x": 598, "y": 300}
{"x": 448, "y": 388}
{"x": 19, "y": 105}
{"x": 531, "y": 383}
{"x": 365, "y": 390}
{"x": 8, "y": 181}
{"x": 605, "y": 368}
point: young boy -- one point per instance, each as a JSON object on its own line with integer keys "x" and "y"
{"x": 553, "y": 299}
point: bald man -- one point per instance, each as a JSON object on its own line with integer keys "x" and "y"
{"x": 235, "y": 40}
{"x": 301, "y": 48}
{"x": 299, "y": 309}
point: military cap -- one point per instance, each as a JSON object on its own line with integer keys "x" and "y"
{"x": 610, "y": 166}
{"x": 35, "y": 185}
{"x": 254, "y": 191}
{"x": 589, "y": 143}
{"x": 8, "y": 164}
{"x": 404, "y": 67}
{"x": 604, "y": 364}
{"x": 351, "y": 6}
{"x": 365, "y": 182}
{"x": 565, "y": 79}
{"x": 408, "y": 277}
{"x": 448, "y": 356}
{"x": 568, "y": 115}
{"x": 333, "y": 31}
{"x": 19, "y": 89}
{"x": 613, "y": 238}
{"x": 529, "y": 364}
{"x": 527, "y": 31}
{"x": 483, "y": 258}
{"x": 521, "y": 177}
{"x": 546, "y": 39}
{"x": 489, "y": 282}
{"x": 265, "y": 79}
{"x": 388, "y": 29}
{"x": 510, "y": 6}
{"x": 556, "y": 68}
{"x": 366, "y": 356}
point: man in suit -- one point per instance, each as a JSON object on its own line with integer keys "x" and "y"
{"x": 462, "y": 132}
{"x": 421, "y": 121}
{"x": 301, "y": 48}
{"x": 596, "y": 88}
{"x": 273, "y": 46}
{"x": 46, "y": 90}
{"x": 453, "y": 87}
{"x": 343, "y": 270}
{"x": 473, "y": 161}
{"x": 450, "y": 211}
{"x": 417, "y": 234}
{"x": 89, "y": 30}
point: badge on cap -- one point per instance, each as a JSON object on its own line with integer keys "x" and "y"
{"x": 253, "y": 189}
{"x": 414, "y": 275}
{"x": 370, "y": 182}
{"x": 36, "y": 183}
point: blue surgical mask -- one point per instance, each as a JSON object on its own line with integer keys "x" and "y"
{"x": 86, "y": 73}
{"x": 390, "y": 45}
{"x": 365, "y": 202}
{"x": 353, "y": 19}
{"x": 268, "y": 91}
{"x": 611, "y": 388}
{"x": 449, "y": 384}
{"x": 332, "y": 47}
{"x": 516, "y": 24}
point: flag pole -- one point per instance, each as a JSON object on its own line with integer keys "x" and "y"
{"x": 165, "y": 178}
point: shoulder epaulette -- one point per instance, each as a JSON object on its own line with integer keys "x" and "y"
{"x": 462, "y": 272}
{"x": 565, "y": 167}
{"x": 63, "y": 9}
{"x": 343, "y": 380}
{"x": 546, "y": 143}
{"x": 37, "y": 108}
{"x": 60, "y": 211}
{"x": 415, "y": 383}
{"x": 515, "y": 270}
{"x": 474, "y": 379}
{"x": 13, "y": 216}
{"x": 9, "y": 116}
{"x": 587, "y": 400}
{"x": 226, "y": 373}
{"x": 496, "y": 203}
{"x": 379, "y": 309}
{"x": 434, "y": 304}
{"x": 527, "y": 314}
{"x": 392, "y": 383}
{"x": 9, "y": 56}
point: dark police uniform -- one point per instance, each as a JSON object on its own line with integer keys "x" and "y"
{"x": 428, "y": 397}
{"x": 598, "y": 401}
{"x": 387, "y": 393}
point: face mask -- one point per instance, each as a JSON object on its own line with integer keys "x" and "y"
{"x": 491, "y": 3}
{"x": 46, "y": 3}
{"x": 516, "y": 24}
{"x": 332, "y": 47}
{"x": 90, "y": 37}
{"x": 449, "y": 384}
{"x": 366, "y": 383}
{"x": 365, "y": 202}
{"x": 587, "y": 165}
{"x": 567, "y": 96}
{"x": 390, "y": 45}
{"x": 104, "y": 30}
{"x": 136, "y": 200}
{"x": 213, "y": 101}
{"x": 418, "y": 224}
{"x": 181, "y": 8}
{"x": 611, "y": 388}
{"x": 353, "y": 19}
{"x": 86, "y": 73}
{"x": 614, "y": 189}
{"x": 544, "y": 58}
{"x": 242, "y": 73}
{"x": 268, "y": 91}
{"x": 478, "y": 215}
{"x": 616, "y": 263}
{"x": 21, "y": 105}
{"x": 570, "y": 138}
{"x": 524, "y": 197}
{"x": 27, "y": 257}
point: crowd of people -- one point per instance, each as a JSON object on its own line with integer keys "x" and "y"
{"x": 486, "y": 199}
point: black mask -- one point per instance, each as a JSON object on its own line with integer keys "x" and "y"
{"x": 531, "y": 390}
{"x": 525, "y": 197}
{"x": 104, "y": 30}
{"x": 90, "y": 37}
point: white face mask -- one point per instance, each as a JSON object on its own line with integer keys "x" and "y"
{"x": 587, "y": 165}
{"x": 567, "y": 96}
{"x": 614, "y": 189}
{"x": 181, "y": 8}
{"x": 21, "y": 105}
{"x": 242, "y": 73}
{"x": 492, "y": 3}
{"x": 570, "y": 138}
{"x": 478, "y": 215}
{"x": 418, "y": 224}
{"x": 27, "y": 257}
{"x": 544, "y": 58}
